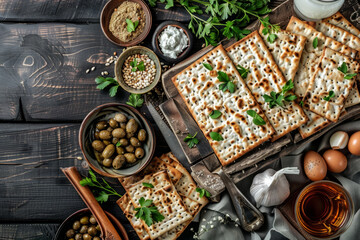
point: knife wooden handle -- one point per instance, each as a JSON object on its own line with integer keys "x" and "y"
{"x": 108, "y": 231}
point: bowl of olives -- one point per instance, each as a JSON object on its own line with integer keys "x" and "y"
{"x": 82, "y": 225}
{"x": 116, "y": 140}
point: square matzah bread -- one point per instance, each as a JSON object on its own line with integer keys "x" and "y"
{"x": 165, "y": 198}
{"x": 339, "y": 20}
{"x": 311, "y": 56}
{"x": 328, "y": 78}
{"x": 199, "y": 88}
{"x": 314, "y": 124}
{"x": 263, "y": 78}
{"x": 286, "y": 50}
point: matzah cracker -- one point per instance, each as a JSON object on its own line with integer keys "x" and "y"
{"x": 338, "y": 34}
{"x": 354, "y": 96}
{"x": 315, "y": 123}
{"x": 199, "y": 88}
{"x": 286, "y": 50}
{"x": 311, "y": 56}
{"x": 328, "y": 78}
{"x": 155, "y": 165}
{"x": 263, "y": 78}
{"x": 339, "y": 20}
{"x": 165, "y": 198}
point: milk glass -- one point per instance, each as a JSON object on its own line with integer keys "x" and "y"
{"x": 313, "y": 10}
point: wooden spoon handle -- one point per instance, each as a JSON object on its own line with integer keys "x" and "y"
{"x": 108, "y": 230}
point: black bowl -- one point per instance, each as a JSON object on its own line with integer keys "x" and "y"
{"x": 155, "y": 41}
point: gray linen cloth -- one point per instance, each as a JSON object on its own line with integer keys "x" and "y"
{"x": 276, "y": 226}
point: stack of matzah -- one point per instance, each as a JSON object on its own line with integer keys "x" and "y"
{"x": 174, "y": 194}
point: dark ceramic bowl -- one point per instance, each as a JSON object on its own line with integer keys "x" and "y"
{"x": 67, "y": 224}
{"x": 106, "y": 16}
{"x": 119, "y": 64}
{"x": 86, "y": 136}
{"x": 155, "y": 41}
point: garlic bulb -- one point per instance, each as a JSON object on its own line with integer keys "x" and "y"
{"x": 339, "y": 140}
{"x": 271, "y": 188}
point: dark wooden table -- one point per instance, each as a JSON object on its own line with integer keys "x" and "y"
{"x": 45, "y": 48}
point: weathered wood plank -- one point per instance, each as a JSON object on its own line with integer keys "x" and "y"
{"x": 79, "y": 11}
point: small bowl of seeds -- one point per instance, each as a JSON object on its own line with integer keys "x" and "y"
{"x": 138, "y": 70}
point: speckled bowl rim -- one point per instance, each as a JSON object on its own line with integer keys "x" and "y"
{"x": 151, "y": 137}
{"x": 119, "y": 63}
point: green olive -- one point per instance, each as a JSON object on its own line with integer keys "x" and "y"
{"x": 106, "y": 142}
{"x": 135, "y": 142}
{"x": 84, "y": 229}
{"x": 139, "y": 153}
{"x": 84, "y": 220}
{"x": 76, "y": 225}
{"x": 121, "y": 118}
{"x": 98, "y": 227}
{"x": 120, "y": 150}
{"x": 92, "y": 231}
{"x": 113, "y": 123}
{"x": 130, "y": 157}
{"x": 98, "y": 145}
{"x": 124, "y": 142}
{"x": 118, "y": 162}
{"x": 108, "y": 151}
{"x": 130, "y": 149}
{"x": 97, "y": 135}
{"x": 87, "y": 236}
{"x": 110, "y": 129}
{"x": 114, "y": 141}
{"x": 123, "y": 125}
{"x": 105, "y": 134}
{"x": 132, "y": 126}
{"x": 107, "y": 162}
{"x": 101, "y": 125}
{"x": 118, "y": 133}
{"x": 142, "y": 135}
{"x": 79, "y": 236}
{"x": 70, "y": 233}
{"x": 92, "y": 219}
{"x": 98, "y": 157}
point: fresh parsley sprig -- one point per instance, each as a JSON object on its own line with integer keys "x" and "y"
{"x": 216, "y": 136}
{"x": 131, "y": 26}
{"x": 208, "y": 66}
{"x": 344, "y": 69}
{"x": 243, "y": 71}
{"x": 191, "y": 140}
{"x": 257, "y": 119}
{"x": 215, "y": 114}
{"x": 137, "y": 66}
{"x": 105, "y": 190}
{"x": 328, "y": 97}
{"x": 279, "y": 98}
{"x": 102, "y": 83}
{"x": 315, "y": 42}
{"x": 148, "y": 213}
{"x": 203, "y": 192}
{"x": 226, "y": 84}
{"x": 135, "y": 100}
{"x": 270, "y": 29}
{"x": 149, "y": 185}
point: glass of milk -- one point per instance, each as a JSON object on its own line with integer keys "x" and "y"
{"x": 313, "y": 10}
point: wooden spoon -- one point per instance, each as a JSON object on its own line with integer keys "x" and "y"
{"x": 108, "y": 231}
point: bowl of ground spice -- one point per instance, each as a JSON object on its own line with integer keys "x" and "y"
{"x": 138, "y": 70}
{"x": 126, "y": 22}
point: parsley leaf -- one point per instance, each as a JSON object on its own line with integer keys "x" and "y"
{"x": 131, "y": 26}
{"x": 105, "y": 82}
{"x": 135, "y": 100}
{"x": 135, "y": 66}
{"x": 191, "y": 140}
{"x": 215, "y": 114}
{"x": 344, "y": 69}
{"x": 331, "y": 95}
{"x": 315, "y": 42}
{"x": 147, "y": 213}
{"x": 301, "y": 103}
{"x": 118, "y": 144}
{"x": 203, "y": 192}
{"x": 106, "y": 189}
{"x": 149, "y": 185}
{"x": 208, "y": 66}
{"x": 152, "y": 3}
{"x": 257, "y": 119}
{"x": 216, "y": 136}
{"x": 243, "y": 71}
{"x": 350, "y": 76}
{"x": 227, "y": 84}
{"x": 278, "y": 98}
{"x": 272, "y": 37}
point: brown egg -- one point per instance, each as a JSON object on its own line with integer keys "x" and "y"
{"x": 314, "y": 166}
{"x": 335, "y": 160}
{"x": 354, "y": 144}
